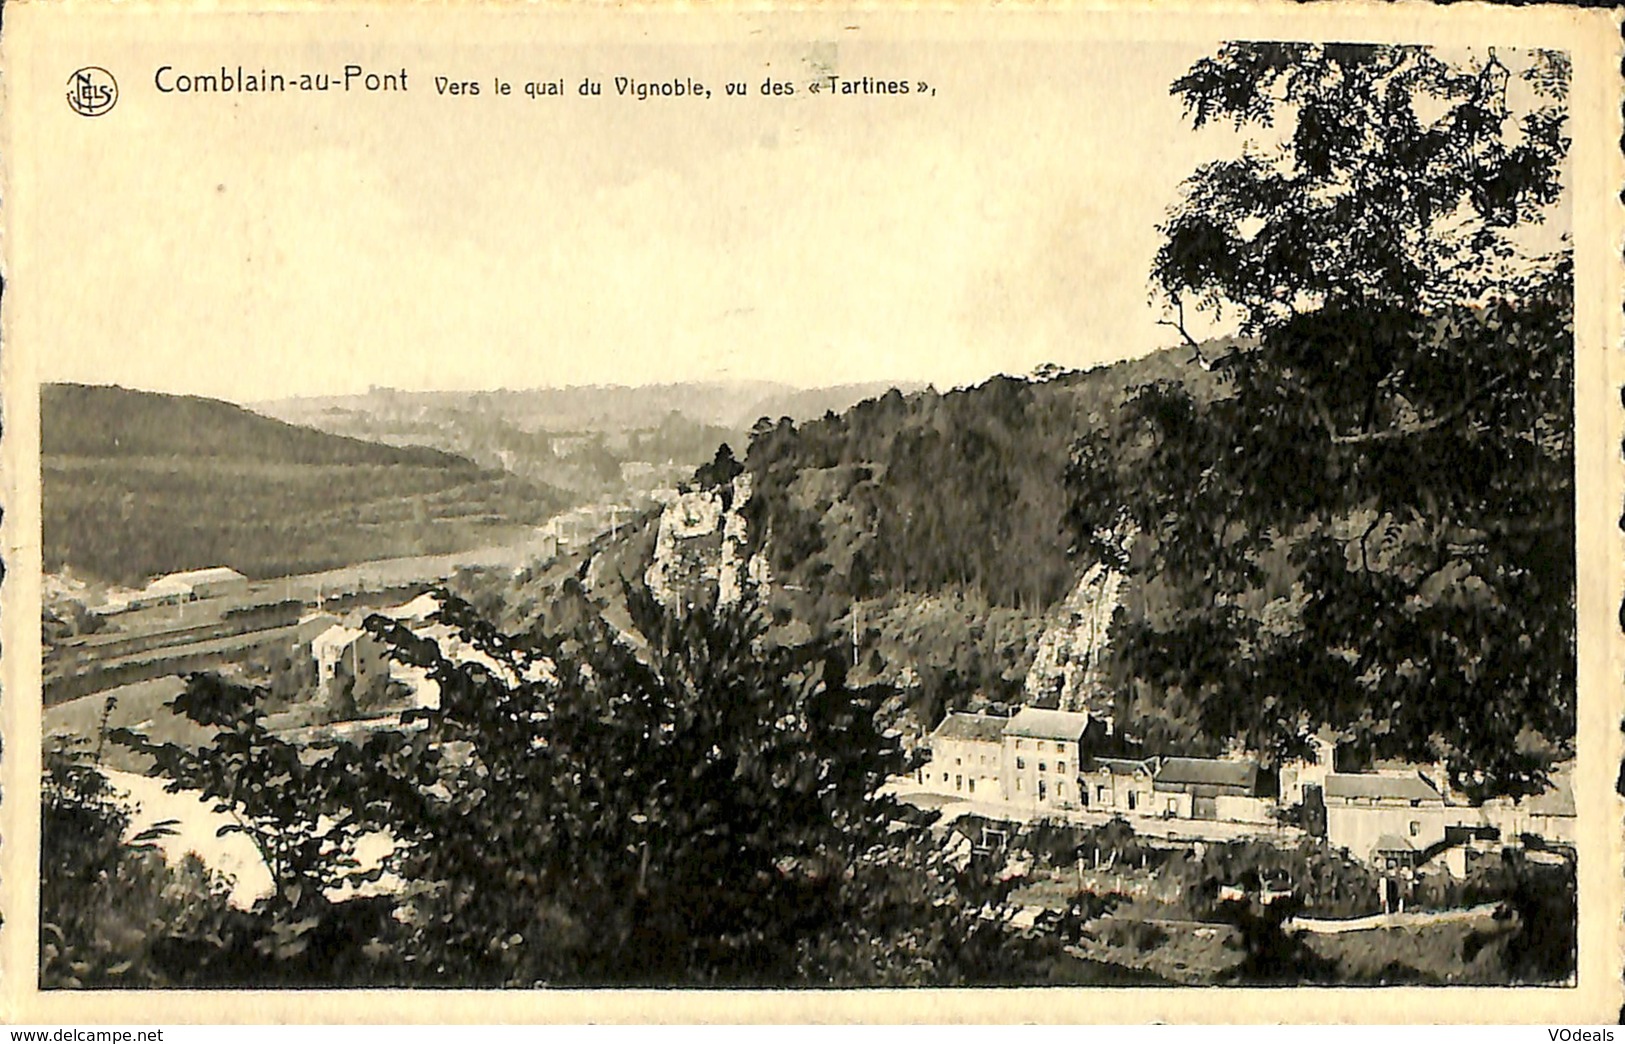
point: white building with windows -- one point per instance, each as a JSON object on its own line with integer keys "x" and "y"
{"x": 1031, "y": 758}
{"x": 1389, "y": 818}
{"x": 967, "y": 757}
{"x": 1042, "y": 751}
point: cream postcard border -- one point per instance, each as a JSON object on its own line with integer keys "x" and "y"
{"x": 1592, "y": 37}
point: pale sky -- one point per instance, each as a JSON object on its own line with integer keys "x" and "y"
{"x": 255, "y": 246}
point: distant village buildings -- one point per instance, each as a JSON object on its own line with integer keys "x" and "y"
{"x": 1047, "y": 759}
{"x": 176, "y": 588}
{"x": 1050, "y": 762}
{"x": 352, "y": 667}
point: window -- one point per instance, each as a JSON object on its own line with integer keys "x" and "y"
{"x": 973, "y": 784}
{"x": 1060, "y": 766}
{"x": 1018, "y": 782}
{"x": 1041, "y": 794}
{"x": 1416, "y": 828}
{"x": 1131, "y": 800}
{"x": 1060, "y": 748}
{"x": 1100, "y": 794}
{"x": 945, "y": 777}
{"x": 1060, "y": 790}
{"x": 959, "y": 761}
{"x": 959, "y": 782}
{"x": 1018, "y": 744}
{"x": 1021, "y": 763}
{"x": 1043, "y": 767}
{"x": 1173, "y": 805}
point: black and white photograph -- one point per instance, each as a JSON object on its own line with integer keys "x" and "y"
{"x": 802, "y": 508}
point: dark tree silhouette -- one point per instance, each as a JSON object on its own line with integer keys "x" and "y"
{"x": 1371, "y": 525}
{"x": 681, "y": 805}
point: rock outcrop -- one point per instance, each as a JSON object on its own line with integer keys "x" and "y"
{"x": 1067, "y": 664}
{"x": 702, "y": 552}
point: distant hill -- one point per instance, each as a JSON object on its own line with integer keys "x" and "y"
{"x": 141, "y": 483}
{"x": 734, "y": 405}
{"x": 595, "y": 442}
{"x": 107, "y": 421}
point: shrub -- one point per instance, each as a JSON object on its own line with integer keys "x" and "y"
{"x": 109, "y": 908}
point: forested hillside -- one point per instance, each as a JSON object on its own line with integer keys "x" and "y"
{"x": 960, "y": 492}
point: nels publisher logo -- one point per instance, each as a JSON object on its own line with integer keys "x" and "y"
{"x": 92, "y": 91}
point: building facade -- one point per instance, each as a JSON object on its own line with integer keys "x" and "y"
{"x": 1391, "y": 819}
{"x": 967, "y": 757}
{"x": 1043, "y": 752}
{"x": 1209, "y": 788}
{"x": 1120, "y": 785}
{"x": 352, "y": 667}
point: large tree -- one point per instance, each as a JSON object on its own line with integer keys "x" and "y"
{"x": 1370, "y": 526}
{"x": 683, "y": 804}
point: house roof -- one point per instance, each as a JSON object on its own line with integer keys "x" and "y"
{"x": 337, "y": 636}
{"x": 203, "y": 576}
{"x": 1208, "y": 771}
{"x": 1048, "y": 724}
{"x": 1556, "y": 800}
{"x": 1126, "y": 766}
{"x": 988, "y": 728}
{"x": 1380, "y": 787}
{"x": 1394, "y": 843}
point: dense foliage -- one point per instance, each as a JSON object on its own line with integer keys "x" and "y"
{"x": 109, "y": 905}
{"x": 682, "y": 805}
{"x": 1372, "y": 527}
{"x": 687, "y": 806}
{"x": 936, "y": 493}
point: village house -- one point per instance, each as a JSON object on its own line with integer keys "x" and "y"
{"x": 1550, "y": 815}
{"x": 352, "y": 667}
{"x": 1043, "y": 751}
{"x": 1303, "y": 780}
{"x": 967, "y": 756}
{"x": 1208, "y": 788}
{"x": 1120, "y": 785}
{"x": 1401, "y": 815}
{"x": 1390, "y": 819}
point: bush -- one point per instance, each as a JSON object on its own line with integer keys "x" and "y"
{"x": 110, "y": 908}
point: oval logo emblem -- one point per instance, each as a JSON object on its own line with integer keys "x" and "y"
{"x": 92, "y": 91}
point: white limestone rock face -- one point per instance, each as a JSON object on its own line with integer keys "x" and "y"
{"x": 701, "y": 551}
{"x": 1071, "y": 649}
{"x": 738, "y": 572}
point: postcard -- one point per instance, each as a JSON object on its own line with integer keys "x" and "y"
{"x": 812, "y": 513}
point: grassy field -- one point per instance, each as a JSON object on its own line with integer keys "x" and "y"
{"x": 126, "y": 519}
{"x": 139, "y": 707}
